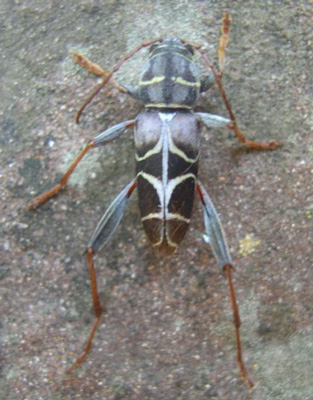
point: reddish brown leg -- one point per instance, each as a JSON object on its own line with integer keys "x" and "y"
{"x": 215, "y": 236}
{"x": 100, "y": 237}
{"x": 272, "y": 145}
{"x": 42, "y": 198}
{"x": 244, "y": 373}
{"x": 84, "y": 62}
{"x": 100, "y": 140}
{"x": 98, "y": 310}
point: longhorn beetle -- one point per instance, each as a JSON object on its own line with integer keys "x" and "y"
{"x": 167, "y": 141}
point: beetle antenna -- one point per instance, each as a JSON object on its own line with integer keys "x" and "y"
{"x": 113, "y": 70}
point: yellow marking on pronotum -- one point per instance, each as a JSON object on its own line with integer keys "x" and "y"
{"x": 165, "y": 105}
{"x": 156, "y": 79}
{"x": 181, "y": 81}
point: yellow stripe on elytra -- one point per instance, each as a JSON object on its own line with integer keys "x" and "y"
{"x": 155, "y": 150}
{"x": 169, "y": 217}
{"x": 169, "y": 242}
{"x": 176, "y": 150}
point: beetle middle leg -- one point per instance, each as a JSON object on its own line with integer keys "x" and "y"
{"x": 100, "y": 238}
{"x": 100, "y": 140}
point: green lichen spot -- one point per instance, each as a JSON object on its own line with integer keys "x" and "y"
{"x": 247, "y": 245}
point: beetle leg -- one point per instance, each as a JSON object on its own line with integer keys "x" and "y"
{"x": 95, "y": 69}
{"x": 213, "y": 121}
{"x": 216, "y": 237}
{"x": 271, "y": 145}
{"x": 111, "y": 218}
{"x": 226, "y": 22}
{"x": 100, "y": 140}
{"x": 100, "y": 237}
{"x": 224, "y": 39}
{"x": 213, "y": 228}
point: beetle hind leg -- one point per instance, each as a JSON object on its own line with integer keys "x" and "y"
{"x": 228, "y": 271}
{"x": 98, "y": 311}
{"x": 216, "y": 237}
{"x": 100, "y": 237}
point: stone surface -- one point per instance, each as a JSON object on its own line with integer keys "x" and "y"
{"x": 168, "y": 332}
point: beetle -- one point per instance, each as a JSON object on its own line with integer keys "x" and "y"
{"x": 167, "y": 142}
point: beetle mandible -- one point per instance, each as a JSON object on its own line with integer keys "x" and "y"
{"x": 167, "y": 142}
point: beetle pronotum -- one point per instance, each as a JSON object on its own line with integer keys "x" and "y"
{"x": 167, "y": 141}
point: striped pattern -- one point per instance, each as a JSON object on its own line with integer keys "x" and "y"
{"x": 170, "y": 78}
{"x": 167, "y": 150}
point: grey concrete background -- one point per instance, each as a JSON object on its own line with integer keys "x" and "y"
{"x": 168, "y": 331}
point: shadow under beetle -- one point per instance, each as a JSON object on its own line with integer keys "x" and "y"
{"x": 167, "y": 142}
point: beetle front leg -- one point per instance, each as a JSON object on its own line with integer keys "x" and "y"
{"x": 226, "y": 22}
{"x": 216, "y": 237}
{"x": 102, "y": 234}
{"x": 100, "y": 140}
{"x": 95, "y": 69}
{"x": 271, "y": 145}
{"x": 224, "y": 39}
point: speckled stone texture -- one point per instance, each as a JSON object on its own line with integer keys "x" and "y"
{"x": 168, "y": 332}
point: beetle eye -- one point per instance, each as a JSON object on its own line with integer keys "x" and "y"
{"x": 190, "y": 48}
{"x": 153, "y": 47}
